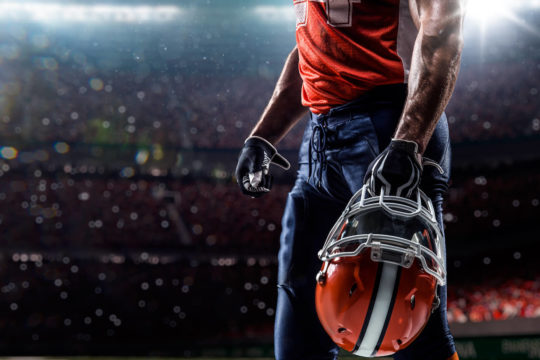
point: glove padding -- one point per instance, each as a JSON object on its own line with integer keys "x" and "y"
{"x": 397, "y": 170}
{"x": 253, "y": 165}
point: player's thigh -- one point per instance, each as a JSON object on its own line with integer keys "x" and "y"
{"x": 308, "y": 218}
{"x": 298, "y": 333}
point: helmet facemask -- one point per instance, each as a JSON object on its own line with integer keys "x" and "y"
{"x": 396, "y": 229}
{"x": 382, "y": 264}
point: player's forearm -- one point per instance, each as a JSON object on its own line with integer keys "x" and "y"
{"x": 434, "y": 70}
{"x": 285, "y": 107}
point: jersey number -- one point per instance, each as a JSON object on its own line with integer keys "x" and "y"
{"x": 338, "y": 12}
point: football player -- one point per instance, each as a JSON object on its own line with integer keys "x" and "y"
{"x": 376, "y": 76}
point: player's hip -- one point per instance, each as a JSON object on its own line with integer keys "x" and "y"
{"x": 347, "y": 138}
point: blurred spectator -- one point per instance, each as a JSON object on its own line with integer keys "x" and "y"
{"x": 498, "y": 299}
{"x": 492, "y": 100}
{"x": 140, "y": 299}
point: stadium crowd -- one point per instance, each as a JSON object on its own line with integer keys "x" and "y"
{"x": 476, "y": 111}
{"x": 494, "y": 203}
{"x": 77, "y": 240}
{"x": 147, "y": 301}
{"x": 505, "y": 299}
{"x": 141, "y": 301}
{"x": 51, "y": 100}
{"x": 73, "y": 212}
{"x": 62, "y": 210}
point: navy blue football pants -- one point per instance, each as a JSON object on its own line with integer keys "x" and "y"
{"x": 336, "y": 150}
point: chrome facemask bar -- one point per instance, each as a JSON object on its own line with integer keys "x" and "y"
{"x": 387, "y": 248}
{"x": 384, "y": 248}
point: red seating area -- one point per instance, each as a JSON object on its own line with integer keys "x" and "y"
{"x": 497, "y": 300}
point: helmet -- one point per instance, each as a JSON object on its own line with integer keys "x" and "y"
{"x": 382, "y": 263}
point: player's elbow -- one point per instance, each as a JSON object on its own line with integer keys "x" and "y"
{"x": 443, "y": 35}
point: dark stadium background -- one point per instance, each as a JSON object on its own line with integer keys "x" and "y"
{"x": 122, "y": 231}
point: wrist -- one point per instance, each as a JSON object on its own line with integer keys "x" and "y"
{"x": 271, "y": 151}
{"x": 260, "y": 138}
{"x": 409, "y": 146}
{"x": 266, "y": 135}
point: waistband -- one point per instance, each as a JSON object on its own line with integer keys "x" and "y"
{"x": 393, "y": 93}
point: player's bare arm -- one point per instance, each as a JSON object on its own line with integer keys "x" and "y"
{"x": 283, "y": 111}
{"x": 285, "y": 107}
{"x": 434, "y": 67}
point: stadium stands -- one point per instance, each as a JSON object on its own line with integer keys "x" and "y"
{"x": 183, "y": 111}
{"x": 498, "y": 299}
{"x": 121, "y": 225}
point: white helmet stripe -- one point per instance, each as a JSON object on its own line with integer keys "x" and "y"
{"x": 406, "y": 187}
{"x": 381, "y": 311}
{"x": 387, "y": 186}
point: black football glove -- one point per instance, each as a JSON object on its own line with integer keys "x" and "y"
{"x": 253, "y": 165}
{"x": 397, "y": 170}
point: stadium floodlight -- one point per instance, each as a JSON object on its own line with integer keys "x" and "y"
{"x": 481, "y": 10}
{"x": 490, "y": 12}
{"x": 273, "y": 13}
{"x": 57, "y": 12}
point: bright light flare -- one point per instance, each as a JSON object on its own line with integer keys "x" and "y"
{"x": 489, "y": 10}
{"x": 55, "y": 12}
{"x": 488, "y": 13}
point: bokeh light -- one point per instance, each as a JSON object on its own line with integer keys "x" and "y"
{"x": 8, "y": 152}
{"x": 61, "y": 147}
{"x": 96, "y": 84}
{"x": 142, "y": 157}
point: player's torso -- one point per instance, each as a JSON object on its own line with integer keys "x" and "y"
{"x": 347, "y": 47}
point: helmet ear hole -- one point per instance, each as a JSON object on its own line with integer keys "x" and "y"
{"x": 413, "y": 302}
{"x": 341, "y": 330}
{"x": 353, "y": 289}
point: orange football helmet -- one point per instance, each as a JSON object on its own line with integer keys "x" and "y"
{"x": 382, "y": 263}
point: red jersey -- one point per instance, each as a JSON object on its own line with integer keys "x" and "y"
{"x": 347, "y": 47}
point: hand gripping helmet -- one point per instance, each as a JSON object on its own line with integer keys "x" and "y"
{"x": 382, "y": 263}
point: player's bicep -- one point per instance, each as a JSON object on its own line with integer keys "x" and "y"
{"x": 438, "y": 18}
